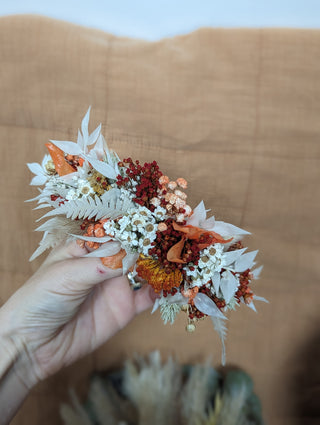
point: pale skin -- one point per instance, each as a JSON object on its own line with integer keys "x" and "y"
{"x": 67, "y": 309}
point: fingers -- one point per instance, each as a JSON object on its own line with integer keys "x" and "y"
{"x": 144, "y": 298}
{"x": 65, "y": 251}
{"x": 78, "y": 274}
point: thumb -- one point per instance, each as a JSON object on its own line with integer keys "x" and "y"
{"x": 80, "y": 274}
{"x": 64, "y": 251}
{"x": 69, "y": 270}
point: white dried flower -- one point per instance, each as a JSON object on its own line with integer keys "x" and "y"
{"x": 180, "y": 218}
{"x": 155, "y": 202}
{"x": 181, "y": 195}
{"x": 172, "y": 185}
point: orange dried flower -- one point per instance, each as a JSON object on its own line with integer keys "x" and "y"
{"x": 61, "y": 165}
{"x": 182, "y": 183}
{"x": 159, "y": 278}
{"x": 190, "y": 294}
{"x": 164, "y": 180}
{"x": 115, "y": 261}
{"x": 172, "y": 185}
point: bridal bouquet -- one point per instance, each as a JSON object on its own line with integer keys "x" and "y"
{"x": 134, "y": 217}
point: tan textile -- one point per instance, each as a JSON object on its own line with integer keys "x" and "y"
{"x": 236, "y": 112}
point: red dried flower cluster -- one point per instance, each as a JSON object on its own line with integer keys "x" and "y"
{"x": 75, "y": 161}
{"x": 219, "y": 303}
{"x": 244, "y": 289}
{"x": 193, "y": 312}
{"x": 166, "y": 240}
{"x": 163, "y": 242}
{"x": 55, "y": 197}
{"x": 173, "y": 291}
{"x": 147, "y": 177}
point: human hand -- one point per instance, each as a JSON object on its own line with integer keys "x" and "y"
{"x": 68, "y": 308}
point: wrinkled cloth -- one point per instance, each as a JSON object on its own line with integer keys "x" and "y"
{"x": 235, "y": 112}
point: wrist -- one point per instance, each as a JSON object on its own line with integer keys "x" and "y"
{"x": 15, "y": 358}
{"x": 16, "y": 376}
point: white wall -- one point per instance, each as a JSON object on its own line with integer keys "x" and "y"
{"x": 153, "y": 19}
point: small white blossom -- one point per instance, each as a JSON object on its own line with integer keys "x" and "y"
{"x": 109, "y": 227}
{"x": 155, "y": 202}
{"x": 71, "y": 195}
{"x": 159, "y": 213}
{"x": 172, "y": 185}
{"x": 180, "y": 218}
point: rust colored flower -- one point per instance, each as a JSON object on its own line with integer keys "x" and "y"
{"x": 196, "y": 233}
{"x": 61, "y": 165}
{"x": 156, "y": 275}
{"x": 203, "y": 238}
{"x": 115, "y": 261}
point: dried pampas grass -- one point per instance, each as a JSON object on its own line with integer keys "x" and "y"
{"x": 148, "y": 391}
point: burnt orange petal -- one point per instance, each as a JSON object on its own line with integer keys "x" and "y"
{"x": 193, "y": 232}
{"x": 156, "y": 276}
{"x": 115, "y": 261}
{"x": 174, "y": 253}
{"x": 61, "y": 165}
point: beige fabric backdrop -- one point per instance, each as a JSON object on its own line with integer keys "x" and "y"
{"x": 236, "y": 112}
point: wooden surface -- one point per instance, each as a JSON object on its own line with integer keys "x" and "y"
{"x": 236, "y": 112}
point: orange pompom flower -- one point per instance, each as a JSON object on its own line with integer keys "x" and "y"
{"x": 159, "y": 278}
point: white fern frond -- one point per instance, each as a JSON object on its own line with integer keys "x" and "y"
{"x": 60, "y": 225}
{"x": 36, "y": 198}
{"x": 220, "y": 327}
{"x": 48, "y": 240}
{"x": 56, "y": 231}
{"x": 39, "y": 207}
{"x": 110, "y": 205}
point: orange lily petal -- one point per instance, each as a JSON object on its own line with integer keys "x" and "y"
{"x": 115, "y": 261}
{"x": 174, "y": 253}
{"x": 61, "y": 165}
{"x": 193, "y": 232}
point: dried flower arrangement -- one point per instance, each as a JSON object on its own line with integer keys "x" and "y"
{"x": 149, "y": 391}
{"x": 134, "y": 217}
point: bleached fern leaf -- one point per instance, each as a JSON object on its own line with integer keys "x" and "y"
{"x": 56, "y": 230}
{"x": 49, "y": 240}
{"x": 220, "y": 327}
{"x": 60, "y": 225}
{"x": 39, "y": 207}
{"x": 110, "y": 205}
